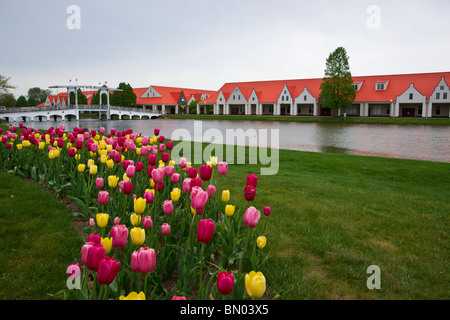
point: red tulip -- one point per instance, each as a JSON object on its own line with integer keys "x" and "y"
{"x": 149, "y": 171}
{"x": 165, "y": 157}
{"x": 225, "y": 282}
{"x": 143, "y": 260}
{"x": 249, "y": 192}
{"x": 79, "y": 144}
{"x": 196, "y": 182}
{"x": 205, "y": 230}
{"x": 139, "y": 166}
{"x": 127, "y": 187}
{"x": 205, "y": 172}
{"x": 252, "y": 179}
{"x": 156, "y": 131}
{"x": 169, "y": 145}
{"x": 71, "y": 152}
{"x": 107, "y": 270}
{"x": 117, "y": 158}
{"x": 192, "y": 172}
{"x": 151, "y": 159}
{"x": 161, "y": 139}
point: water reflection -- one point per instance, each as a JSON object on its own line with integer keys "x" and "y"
{"x": 419, "y": 142}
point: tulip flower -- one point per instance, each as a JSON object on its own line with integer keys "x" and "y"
{"x": 135, "y": 219}
{"x": 205, "y": 172}
{"x": 147, "y": 222}
{"x": 116, "y": 220}
{"x": 187, "y": 185}
{"x": 251, "y": 217}
{"x": 229, "y": 210}
{"x": 139, "y": 205}
{"x": 211, "y": 191}
{"x": 175, "y": 194}
{"x": 158, "y": 175}
{"x": 196, "y": 182}
{"x": 94, "y": 238}
{"x": 93, "y": 169}
{"x": 222, "y": 168}
{"x": 198, "y": 198}
{"x": 225, "y": 282}
{"x": 249, "y": 192}
{"x": 117, "y": 158}
{"x": 71, "y": 152}
{"x": 169, "y": 171}
{"x": 165, "y": 229}
{"x": 92, "y": 254}
{"x": 102, "y": 219}
{"x": 110, "y": 163}
{"x": 225, "y": 196}
{"x": 127, "y": 187}
{"x": 107, "y": 244}
{"x": 119, "y": 234}
{"x": 165, "y": 157}
{"x": 178, "y": 298}
{"x": 183, "y": 162}
{"x": 143, "y": 260}
{"x": 137, "y": 236}
{"x": 156, "y": 131}
{"x": 112, "y": 181}
{"x": 213, "y": 161}
{"x": 252, "y": 179}
{"x": 261, "y": 242}
{"x": 103, "y": 198}
{"x": 139, "y": 166}
{"x": 176, "y": 178}
{"x": 192, "y": 172}
{"x": 91, "y": 222}
{"x": 131, "y": 169}
{"x": 107, "y": 270}
{"x": 267, "y": 211}
{"x": 255, "y": 284}
{"x": 99, "y": 183}
{"x": 205, "y": 230}
{"x": 133, "y": 296}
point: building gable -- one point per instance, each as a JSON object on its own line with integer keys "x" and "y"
{"x": 441, "y": 93}
{"x": 305, "y": 97}
{"x": 411, "y": 95}
{"x": 151, "y": 93}
{"x": 236, "y": 97}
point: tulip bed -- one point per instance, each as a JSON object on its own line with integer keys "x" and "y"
{"x": 158, "y": 228}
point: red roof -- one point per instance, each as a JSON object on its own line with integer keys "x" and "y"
{"x": 169, "y": 95}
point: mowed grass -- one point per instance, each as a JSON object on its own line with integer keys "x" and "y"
{"x": 333, "y": 216}
{"x": 38, "y": 241}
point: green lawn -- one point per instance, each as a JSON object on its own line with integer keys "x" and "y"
{"x": 380, "y": 120}
{"x": 333, "y": 215}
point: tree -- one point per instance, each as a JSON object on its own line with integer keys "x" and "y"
{"x": 7, "y": 100}
{"x": 96, "y": 98}
{"x": 124, "y": 98}
{"x": 337, "y": 89}
{"x": 38, "y": 95}
{"x": 4, "y": 85}
{"x": 32, "y": 101}
{"x": 21, "y": 102}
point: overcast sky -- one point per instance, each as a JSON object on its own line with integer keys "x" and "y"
{"x": 206, "y": 43}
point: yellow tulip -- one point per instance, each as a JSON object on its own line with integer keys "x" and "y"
{"x": 41, "y": 145}
{"x": 51, "y": 154}
{"x": 19, "y": 146}
{"x": 90, "y": 163}
{"x": 103, "y": 159}
{"x": 229, "y": 210}
{"x": 138, "y": 151}
{"x": 93, "y": 169}
{"x": 81, "y": 167}
{"x": 77, "y": 156}
{"x": 107, "y": 244}
{"x": 26, "y": 143}
{"x": 112, "y": 181}
{"x": 255, "y": 284}
{"x": 172, "y": 163}
{"x": 175, "y": 194}
{"x": 102, "y": 152}
{"x": 152, "y": 183}
{"x": 261, "y": 242}
{"x": 213, "y": 160}
{"x": 97, "y": 137}
{"x": 133, "y": 296}
{"x": 102, "y": 219}
{"x": 110, "y": 163}
{"x": 193, "y": 210}
{"x": 125, "y": 177}
{"x": 225, "y": 196}
{"x": 68, "y": 145}
{"x": 55, "y": 143}
{"x": 135, "y": 219}
{"x": 137, "y": 236}
{"x": 139, "y": 205}
{"x": 109, "y": 147}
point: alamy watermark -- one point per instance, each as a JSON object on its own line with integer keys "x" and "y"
{"x": 373, "y": 22}
{"x": 73, "y": 22}
{"x": 374, "y": 280}
{"x": 263, "y": 146}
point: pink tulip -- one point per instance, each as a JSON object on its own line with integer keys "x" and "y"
{"x": 147, "y": 222}
{"x": 169, "y": 171}
{"x": 94, "y": 147}
{"x": 103, "y": 198}
{"x": 99, "y": 183}
{"x": 148, "y": 196}
{"x": 158, "y": 175}
{"x": 251, "y": 217}
{"x": 92, "y": 254}
{"x": 145, "y": 140}
{"x": 107, "y": 270}
{"x": 119, "y": 234}
{"x": 267, "y": 211}
{"x": 176, "y": 178}
{"x": 211, "y": 190}
{"x": 162, "y": 147}
{"x": 116, "y": 220}
{"x": 198, "y": 198}
{"x": 178, "y": 298}
{"x": 225, "y": 282}
{"x": 91, "y": 222}
{"x": 187, "y": 185}
{"x": 131, "y": 170}
{"x": 222, "y": 168}
{"x": 252, "y": 179}
{"x": 165, "y": 229}
{"x": 143, "y": 260}
{"x": 183, "y": 162}
{"x": 168, "y": 207}
{"x": 205, "y": 230}
{"x": 102, "y": 130}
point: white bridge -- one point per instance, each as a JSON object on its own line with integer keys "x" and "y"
{"x": 73, "y": 112}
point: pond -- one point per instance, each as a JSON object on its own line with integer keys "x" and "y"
{"x": 420, "y": 142}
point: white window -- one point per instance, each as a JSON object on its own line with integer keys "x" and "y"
{"x": 438, "y": 95}
{"x": 381, "y": 86}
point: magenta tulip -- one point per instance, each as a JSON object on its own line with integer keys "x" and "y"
{"x": 161, "y": 139}
{"x": 156, "y": 132}
{"x": 192, "y": 172}
{"x": 165, "y": 229}
{"x": 249, "y": 192}
{"x": 165, "y": 157}
{"x": 252, "y": 179}
{"x": 94, "y": 238}
{"x": 205, "y": 230}
{"x": 196, "y": 182}
{"x": 127, "y": 187}
{"x": 71, "y": 152}
{"x": 151, "y": 159}
{"x": 139, "y": 166}
{"x": 251, "y": 217}
{"x": 225, "y": 282}
{"x": 205, "y": 172}
{"x": 119, "y": 234}
{"x": 107, "y": 270}
{"x": 158, "y": 175}
{"x": 143, "y": 260}
{"x": 117, "y": 158}
{"x": 92, "y": 254}
{"x": 168, "y": 207}
{"x": 198, "y": 198}
{"x": 176, "y": 178}
{"x": 187, "y": 185}
{"x": 99, "y": 183}
{"x": 222, "y": 168}
{"x": 103, "y": 198}
{"x": 267, "y": 211}
{"x": 147, "y": 222}
{"x": 148, "y": 196}
{"x": 169, "y": 145}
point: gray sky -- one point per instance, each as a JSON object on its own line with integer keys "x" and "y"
{"x": 205, "y": 43}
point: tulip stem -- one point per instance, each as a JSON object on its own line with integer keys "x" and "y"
{"x": 201, "y": 263}
{"x": 245, "y": 249}
{"x": 145, "y": 283}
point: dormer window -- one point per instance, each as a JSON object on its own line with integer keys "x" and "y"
{"x": 357, "y": 86}
{"x": 380, "y": 86}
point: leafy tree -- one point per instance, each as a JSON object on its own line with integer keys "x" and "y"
{"x": 39, "y": 95}
{"x": 96, "y": 98}
{"x": 32, "y": 101}
{"x": 337, "y": 89}
{"x": 124, "y": 98}
{"x": 21, "y": 102}
{"x": 7, "y": 100}
{"x": 5, "y": 85}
